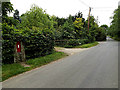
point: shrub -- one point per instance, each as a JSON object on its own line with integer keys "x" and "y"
{"x": 101, "y": 36}
{"x": 7, "y": 43}
{"x": 35, "y": 31}
{"x": 36, "y": 43}
{"x": 71, "y": 42}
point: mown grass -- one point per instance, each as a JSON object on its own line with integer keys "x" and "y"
{"x": 83, "y": 46}
{"x": 10, "y": 70}
{"x": 47, "y": 59}
{"x": 87, "y": 45}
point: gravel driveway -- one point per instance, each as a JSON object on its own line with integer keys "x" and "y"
{"x": 70, "y": 51}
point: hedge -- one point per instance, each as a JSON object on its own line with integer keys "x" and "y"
{"x": 35, "y": 43}
{"x": 71, "y": 42}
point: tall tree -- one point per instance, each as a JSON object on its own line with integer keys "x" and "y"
{"x": 6, "y": 8}
{"x": 114, "y": 29}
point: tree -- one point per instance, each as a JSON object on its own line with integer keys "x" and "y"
{"x": 68, "y": 31}
{"x": 114, "y": 29}
{"x": 93, "y": 28}
{"x": 104, "y": 26}
{"x": 101, "y": 34}
{"x": 78, "y": 24}
{"x": 6, "y": 8}
{"x": 36, "y": 18}
{"x": 16, "y": 15}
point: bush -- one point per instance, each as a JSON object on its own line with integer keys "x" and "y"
{"x": 101, "y": 36}
{"x": 7, "y": 44}
{"x": 71, "y": 42}
{"x": 76, "y": 42}
{"x": 35, "y": 31}
{"x": 36, "y": 43}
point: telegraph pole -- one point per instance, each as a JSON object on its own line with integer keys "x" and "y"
{"x": 89, "y": 18}
{"x": 97, "y": 19}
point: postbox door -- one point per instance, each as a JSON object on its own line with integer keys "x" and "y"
{"x": 18, "y": 45}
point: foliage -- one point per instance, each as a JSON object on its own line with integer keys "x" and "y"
{"x": 67, "y": 31}
{"x": 114, "y": 29}
{"x": 36, "y": 17}
{"x": 60, "y": 21}
{"x": 46, "y": 59}
{"x": 35, "y": 32}
{"x": 71, "y": 42}
{"x": 10, "y": 70}
{"x": 16, "y": 15}
{"x": 38, "y": 30}
{"x": 93, "y": 29}
{"x": 101, "y": 34}
{"x": 7, "y": 43}
{"x": 75, "y": 31}
{"x": 78, "y": 24}
{"x": 104, "y": 26}
{"x": 87, "y": 45}
{"x": 6, "y": 31}
{"x": 6, "y": 7}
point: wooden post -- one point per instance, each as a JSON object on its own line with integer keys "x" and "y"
{"x": 89, "y": 18}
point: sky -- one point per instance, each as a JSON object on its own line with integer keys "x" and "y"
{"x": 103, "y": 9}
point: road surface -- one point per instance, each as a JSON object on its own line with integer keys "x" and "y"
{"x": 96, "y": 67}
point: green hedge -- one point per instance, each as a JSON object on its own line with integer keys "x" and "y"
{"x": 101, "y": 36}
{"x": 36, "y": 43}
{"x": 71, "y": 42}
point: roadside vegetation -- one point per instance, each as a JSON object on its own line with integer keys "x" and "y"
{"x": 9, "y": 70}
{"x": 39, "y": 32}
{"x": 88, "y": 45}
{"x": 80, "y": 46}
{"x": 114, "y": 29}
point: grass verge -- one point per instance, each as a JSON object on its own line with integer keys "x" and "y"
{"x": 83, "y": 46}
{"x": 87, "y": 45}
{"x": 10, "y": 70}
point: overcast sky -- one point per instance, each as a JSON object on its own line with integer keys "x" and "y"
{"x": 63, "y": 8}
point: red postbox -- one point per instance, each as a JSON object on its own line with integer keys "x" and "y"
{"x": 18, "y": 45}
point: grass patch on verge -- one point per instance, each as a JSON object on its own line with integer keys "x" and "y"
{"x": 87, "y": 45}
{"x": 10, "y": 70}
{"x": 82, "y": 46}
{"x": 44, "y": 60}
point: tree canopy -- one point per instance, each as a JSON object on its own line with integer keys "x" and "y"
{"x": 114, "y": 29}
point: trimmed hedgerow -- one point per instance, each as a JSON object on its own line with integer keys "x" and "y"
{"x": 35, "y": 32}
{"x": 35, "y": 43}
{"x": 71, "y": 42}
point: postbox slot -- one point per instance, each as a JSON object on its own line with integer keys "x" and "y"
{"x": 18, "y": 45}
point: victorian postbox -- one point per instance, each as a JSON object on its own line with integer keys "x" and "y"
{"x": 18, "y": 45}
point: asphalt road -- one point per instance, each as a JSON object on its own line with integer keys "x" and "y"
{"x": 96, "y": 67}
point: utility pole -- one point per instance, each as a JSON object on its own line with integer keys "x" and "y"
{"x": 97, "y": 19}
{"x": 89, "y": 18}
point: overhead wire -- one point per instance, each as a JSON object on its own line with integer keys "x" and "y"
{"x": 84, "y": 3}
{"x": 93, "y": 7}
